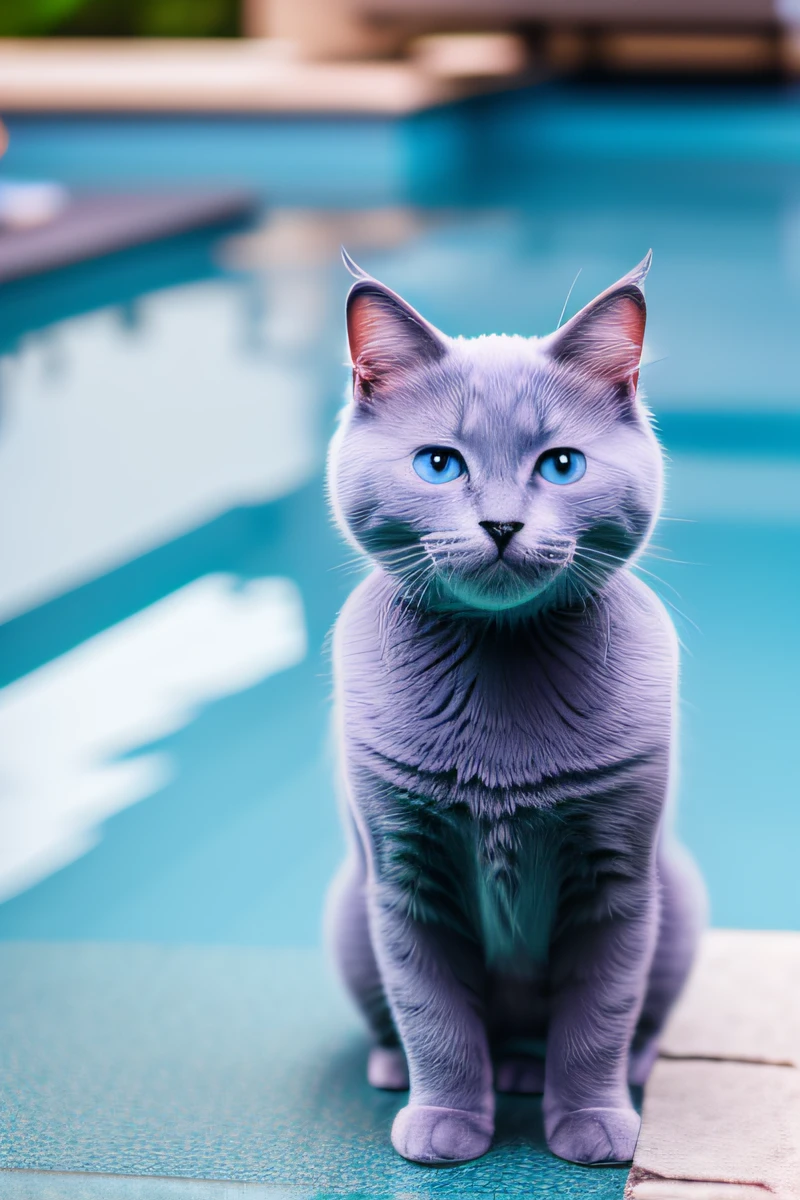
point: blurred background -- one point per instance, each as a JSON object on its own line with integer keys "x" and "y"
{"x": 177, "y": 179}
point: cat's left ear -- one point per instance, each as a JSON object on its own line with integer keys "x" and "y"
{"x": 605, "y": 338}
{"x": 387, "y": 336}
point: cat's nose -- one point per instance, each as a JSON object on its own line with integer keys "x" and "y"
{"x": 501, "y": 532}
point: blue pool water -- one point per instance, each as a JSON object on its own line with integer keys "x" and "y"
{"x": 170, "y": 570}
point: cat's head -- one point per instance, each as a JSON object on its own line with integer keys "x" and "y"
{"x": 498, "y": 471}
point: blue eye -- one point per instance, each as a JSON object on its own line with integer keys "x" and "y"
{"x": 438, "y": 464}
{"x": 562, "y": 466}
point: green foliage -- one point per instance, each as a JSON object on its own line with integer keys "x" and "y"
{"x": 187, "y": 18}
{"x": 119, "y": 18}
{"x": 27, "y": 18}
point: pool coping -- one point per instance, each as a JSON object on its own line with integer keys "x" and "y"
{"x": 220, "y": 76}
{"x": 721, "y": 1118}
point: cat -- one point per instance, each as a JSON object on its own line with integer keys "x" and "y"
{"x": 515, "y": 912}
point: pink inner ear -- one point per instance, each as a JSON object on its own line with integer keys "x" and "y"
{"x": 608, "y": 342}
{"x": 386, "y": 335}
{"x": 362, "y": 331}
{"x": 379, "y": 337}
{"x": 630, "y": 323}
{"x": 631, "y": 320}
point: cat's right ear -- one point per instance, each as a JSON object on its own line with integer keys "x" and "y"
{"x": 387, "y": 337}
{"x": 605, "y": 338}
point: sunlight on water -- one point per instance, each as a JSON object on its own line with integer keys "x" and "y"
{"x": 70, "y": 729}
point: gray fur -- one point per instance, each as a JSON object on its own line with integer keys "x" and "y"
{"x": 506, "y": 721}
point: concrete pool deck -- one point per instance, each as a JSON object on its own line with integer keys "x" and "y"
{"x": 198, "y": 1072}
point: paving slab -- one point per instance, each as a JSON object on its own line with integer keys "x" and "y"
{"x": 721, "y": 1118}
{"x": 742, "y": 1001}
{"x": 720, "y": 1122}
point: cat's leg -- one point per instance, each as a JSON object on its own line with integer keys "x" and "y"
{"x": 450, "y": 1114}
{"x": 600, "y": 960}
{"x": 520, "y": 1074}
{"x": 348, "y": 935}
{"x": 683, "y": 914}
{"x": 518, "y": 1031}
{"x": 600, "y": 970}
{"x": 433, "y": 972}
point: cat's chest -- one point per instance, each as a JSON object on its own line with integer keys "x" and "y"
{"x": 466, "y": 709}
{"x": 518, "y": 879}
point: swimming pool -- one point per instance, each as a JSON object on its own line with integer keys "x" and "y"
{"x": 170, "y": 570}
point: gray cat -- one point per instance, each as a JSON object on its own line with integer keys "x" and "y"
{"x": 514, "y": 912}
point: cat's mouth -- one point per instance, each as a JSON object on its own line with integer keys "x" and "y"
{"x": 502, "y": 579}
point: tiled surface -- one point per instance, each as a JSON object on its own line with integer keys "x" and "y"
{"x": 135, "y": 1071}
{"x": 741, "y": 1002}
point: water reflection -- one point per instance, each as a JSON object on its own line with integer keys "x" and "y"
{"x": 70, "y": 727}
{"x": 135, "y": 432}
{"x": 178, "y": 435}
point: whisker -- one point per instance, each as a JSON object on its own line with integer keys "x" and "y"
{"x": 652, "y": 362}
{"x": 667, "y": 558}
{"x": 634, "y": 566}
{"x": 685, "y": 617}
{"x": 566, "y": 302}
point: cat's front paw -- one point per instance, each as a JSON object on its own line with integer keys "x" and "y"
{"x": 522, "y": 1074}
{"x": 387, "y": 1068}
{"x": 593, "y": 1135}
{"x": 426, "y": 1134}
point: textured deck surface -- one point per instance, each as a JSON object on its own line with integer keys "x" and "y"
{"x": 138, "y": 1071}
{"x": 220, "y": 1064}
